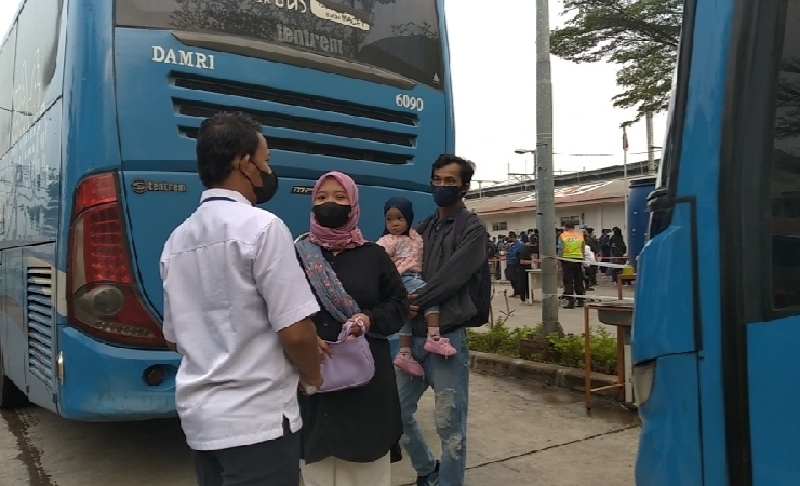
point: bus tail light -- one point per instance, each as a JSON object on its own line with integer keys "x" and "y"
{"x": 103, "y": 300}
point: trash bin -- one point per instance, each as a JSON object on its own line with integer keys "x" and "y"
{"x": 638, "y": 217}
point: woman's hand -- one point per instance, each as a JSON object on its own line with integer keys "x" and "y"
{"x": 362, "y": 318}
{"x": 324, "y": 350}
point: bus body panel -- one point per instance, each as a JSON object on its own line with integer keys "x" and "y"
{"x": 698, "y": 175}
{"x": 774, "y": 421}
{"x": 14, "y": 338}
{"x": 150, "y": 106}
{"x": 668, "y": 328}
{"x": 669, "y": 448}
{"x": 108, "y": 106}
{"x": 154, "y": 151}
{"x": 173, "y": 207}
{"x": 106, "y": 383}
{"x": 32, "y": 58}
{"x": 698, "y": 178}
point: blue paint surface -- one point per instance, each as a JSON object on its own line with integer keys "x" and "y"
{"x": 109, "y": 107}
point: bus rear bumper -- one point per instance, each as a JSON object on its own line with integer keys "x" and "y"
{"x": 105, "y": 383}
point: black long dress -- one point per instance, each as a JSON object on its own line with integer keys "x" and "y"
{"x": 360, "y": 424}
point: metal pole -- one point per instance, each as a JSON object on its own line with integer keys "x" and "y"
{"x": 536, "y": 189}
{"x": 544, "y": 151}
{"x": 625, "y": 181}
{"x": 651, "y": 154}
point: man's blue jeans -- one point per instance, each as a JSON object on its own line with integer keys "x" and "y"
{"x": 449, "y": 378}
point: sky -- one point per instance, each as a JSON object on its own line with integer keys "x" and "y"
{"x": 493, "y": 64}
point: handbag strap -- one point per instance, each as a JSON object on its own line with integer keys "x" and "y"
{"x": 347, "y": 327}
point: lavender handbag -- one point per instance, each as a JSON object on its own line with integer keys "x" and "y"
{"x": 352, "y": 364}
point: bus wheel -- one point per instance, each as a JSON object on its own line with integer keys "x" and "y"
{"x": 10, "y": 395}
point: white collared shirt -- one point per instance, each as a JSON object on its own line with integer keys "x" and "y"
{"x": 231, "y": 282}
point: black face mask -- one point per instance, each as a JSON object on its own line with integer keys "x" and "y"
{"x": 332, "y": 215}
{"x": 268, "y": 188}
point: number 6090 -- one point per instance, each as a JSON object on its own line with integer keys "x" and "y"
{"x": 410, "y": 102}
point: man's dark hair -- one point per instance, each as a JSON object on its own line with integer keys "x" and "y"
{"x": 222, "y": 138}
{"x": 467, "y": 167}
{"x": 569, "y": 225}
{"x": 512, "y": 234}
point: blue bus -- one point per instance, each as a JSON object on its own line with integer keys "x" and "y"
{"x": 99, "y": 104}
{"x": 716, "y": 335}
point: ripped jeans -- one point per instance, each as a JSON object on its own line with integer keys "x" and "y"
{"x": 449, "y": 378}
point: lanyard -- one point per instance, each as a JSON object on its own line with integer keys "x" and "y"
{"x": 216, "y": 198}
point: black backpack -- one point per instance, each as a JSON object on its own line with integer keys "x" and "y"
{"x": 482, "y": 295}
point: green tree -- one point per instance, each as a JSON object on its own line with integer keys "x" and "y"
{"x": 639, "y": 35}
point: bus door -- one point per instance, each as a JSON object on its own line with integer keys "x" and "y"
{"x": 760, "y": 245}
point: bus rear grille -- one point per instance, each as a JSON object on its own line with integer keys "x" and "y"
{"x": 280, "y": 120}
{"x": 295, "y": 99}
{"x": 39, "y": 307}
{"x": 290, "y": 145}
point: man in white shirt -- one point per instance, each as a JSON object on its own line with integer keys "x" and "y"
{"x": 236, "y": 306}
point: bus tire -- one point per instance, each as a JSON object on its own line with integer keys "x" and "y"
{"x": 10, "y": 395}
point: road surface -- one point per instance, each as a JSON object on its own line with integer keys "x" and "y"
{"x": 519, "y": 434}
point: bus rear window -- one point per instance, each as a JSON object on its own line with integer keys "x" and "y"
{"x": 400, "y": 36}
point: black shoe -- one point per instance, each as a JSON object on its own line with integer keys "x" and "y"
{"x": 580, "y": 303}
{"x": 431, "y": 479}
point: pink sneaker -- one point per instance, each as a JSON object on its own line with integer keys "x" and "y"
{"x": 405, "y": 362}
{"x": 439, "y": 345}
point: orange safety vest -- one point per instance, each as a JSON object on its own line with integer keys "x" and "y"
{"x": 573, "y": 245}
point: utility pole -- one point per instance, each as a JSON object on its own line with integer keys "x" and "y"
{"x": 651, "y": 155}
{"x": 625, "y": 179}
{"x": 545, "y": 183}
{"x": 535, "y": 183}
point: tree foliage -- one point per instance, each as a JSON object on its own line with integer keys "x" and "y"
{"x": 639, "y": 35}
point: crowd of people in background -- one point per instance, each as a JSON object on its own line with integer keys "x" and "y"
{"x": 521, "y": 252}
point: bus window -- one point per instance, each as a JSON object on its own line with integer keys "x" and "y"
{"x": 35, "y": 63}
{"x": 401, "y": 37}
{"x": 785, "y": 181}
{"x": 6, "y": 83}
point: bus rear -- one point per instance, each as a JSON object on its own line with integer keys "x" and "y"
{"x": 355, "y": 86}
{"x": 716, "y": 328}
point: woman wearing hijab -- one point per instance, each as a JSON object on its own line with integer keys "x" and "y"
{"x": 349, "y": 437}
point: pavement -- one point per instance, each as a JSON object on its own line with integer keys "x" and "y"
{"x": 571, "y": 320}
{"x": 519, "y": 434}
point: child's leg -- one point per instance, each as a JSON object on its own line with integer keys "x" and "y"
{"x": 405, "y": 338}
{"x": 432, "y": 321}
{"x": 404, "y": 361}
{"x": 436, "y": 343}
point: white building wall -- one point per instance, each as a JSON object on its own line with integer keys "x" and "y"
{"x": 597, "y": 216}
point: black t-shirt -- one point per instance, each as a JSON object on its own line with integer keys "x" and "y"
{"x": 535, "y": 245}
{"x": 525, "y": 253}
